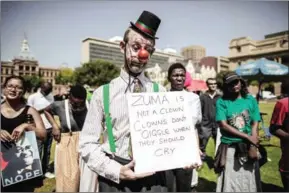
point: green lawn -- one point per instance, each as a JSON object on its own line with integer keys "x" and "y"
{"x": 207, "y": 178}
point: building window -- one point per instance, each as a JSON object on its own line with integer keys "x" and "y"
{"x": 33, "y": 68}
{"x": 20, "y": 67}
{"x": 239, "y": 48}
{"x": 27, "y": 68}
{"x": 20, "y": 74}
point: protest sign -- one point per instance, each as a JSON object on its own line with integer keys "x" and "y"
{"x": 22, "y": 160}
{"x": 162, "y": 131}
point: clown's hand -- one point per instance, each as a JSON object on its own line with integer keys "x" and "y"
{"x": 193, "y": 166}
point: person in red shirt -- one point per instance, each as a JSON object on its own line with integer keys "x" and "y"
{"x": 279, "y": 126}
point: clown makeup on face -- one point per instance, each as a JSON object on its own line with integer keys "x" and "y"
{"x": 138, "y": 50}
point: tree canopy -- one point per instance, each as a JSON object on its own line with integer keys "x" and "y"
{"x": 96, "y": 73}
{"x": 32, "y": 82}
{"x": 65, "y": 76}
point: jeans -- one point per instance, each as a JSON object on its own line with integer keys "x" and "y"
{"x": 44, "y": 150}
{"x": 285, "y": 180}
{"x": 204, "y": 135}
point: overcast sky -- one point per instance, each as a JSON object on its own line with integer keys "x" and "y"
{"x": 55, "y": 29}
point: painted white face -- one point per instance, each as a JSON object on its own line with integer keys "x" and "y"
{"x": 137, "y": 51}
{"x": 25, "y": 151}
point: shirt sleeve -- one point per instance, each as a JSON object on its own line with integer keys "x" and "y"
{"x": 256, "y": 112}
{"x": 278, "y": 115}
{"x": 221, "y": 110}
{"x": 199, "y": 110}
{"x": 89, "y": 142}
{"x": 53, "y": 108}
{"x": 30, "y": 100}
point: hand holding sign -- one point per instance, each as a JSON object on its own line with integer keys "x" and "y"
{"x": 127, "y": 174}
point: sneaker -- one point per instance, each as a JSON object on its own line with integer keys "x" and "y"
{"x": 49, "y": 175}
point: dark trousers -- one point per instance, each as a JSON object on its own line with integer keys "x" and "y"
{"x": 204, "y": 135}
{"x": 44, "y": 149}
{"x": 179, "y": 180}
{"x": 154, "y": 183}
{"x": 285, "y": 180}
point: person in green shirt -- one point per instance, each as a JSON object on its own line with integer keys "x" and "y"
{"x": 237, "y": 114}
{"x": 88, "y": 95}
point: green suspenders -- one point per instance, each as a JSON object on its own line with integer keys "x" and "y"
{"x": 108, "y": 122}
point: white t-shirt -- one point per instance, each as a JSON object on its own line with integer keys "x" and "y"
{"x": 39, "y": 102}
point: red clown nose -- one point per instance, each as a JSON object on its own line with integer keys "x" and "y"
{"x": 143, "y": 54}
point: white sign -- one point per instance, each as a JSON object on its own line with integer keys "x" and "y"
{"x": 162, "y": 131}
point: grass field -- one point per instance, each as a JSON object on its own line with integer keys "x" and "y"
{"x": 207, "y": 179}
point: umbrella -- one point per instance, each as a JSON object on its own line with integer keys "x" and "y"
{"x": 263, "y": 70}
{"x": 197, "y": 85}
{"x": 188, "y": 79}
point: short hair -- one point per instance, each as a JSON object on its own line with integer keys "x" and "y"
{"x": 78, "y": 91}
{"x": 207, "y": 81}
{"x": 49, "y": 84}
{"x": 175, "y": 66}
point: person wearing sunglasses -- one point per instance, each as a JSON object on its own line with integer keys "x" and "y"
{"x": 236, "y": 161}
{"x": 209, "y": 125}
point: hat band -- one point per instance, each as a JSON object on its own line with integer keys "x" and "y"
{"x": 144, "y": 28}
{"x": 232, "y": 76}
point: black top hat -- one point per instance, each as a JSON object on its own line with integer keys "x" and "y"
{"x": 147, "y": 24}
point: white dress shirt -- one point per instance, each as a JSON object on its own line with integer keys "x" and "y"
{"x": 39, "y": 102}
{"x": 92, "y": 152}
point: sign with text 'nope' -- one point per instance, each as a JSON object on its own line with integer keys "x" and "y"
{"x": 162, "y": 131}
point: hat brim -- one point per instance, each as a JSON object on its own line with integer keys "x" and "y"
{"x": 235, "y": 78}
{"x": 232, "y": 79}
{"x": 142, "y": 32}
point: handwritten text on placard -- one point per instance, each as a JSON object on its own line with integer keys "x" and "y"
{"x": 162, "y": 130}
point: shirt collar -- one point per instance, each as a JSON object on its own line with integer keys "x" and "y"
{"x": 39, "y": 92}
{"x": 125, "y": 76}
{"x": 212, "y": 96}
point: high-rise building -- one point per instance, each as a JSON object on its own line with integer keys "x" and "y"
{"x": 94, "y": 49}
{"x": 273, "y": 47}
{"x": 193, "y": 53}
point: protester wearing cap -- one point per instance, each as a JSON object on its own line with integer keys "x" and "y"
{"x": 109, "y": 153}
{"x": 237, "y": 114}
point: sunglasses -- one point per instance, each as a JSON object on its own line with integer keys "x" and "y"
{"x": 212, "y": 83}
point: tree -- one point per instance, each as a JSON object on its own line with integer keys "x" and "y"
{"x": 96, "y": 73}
{"x": 32, "y": 82}
{"x": 65, "y": 76}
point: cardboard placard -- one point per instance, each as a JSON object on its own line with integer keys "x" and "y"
{"x": 162, "y": 131}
